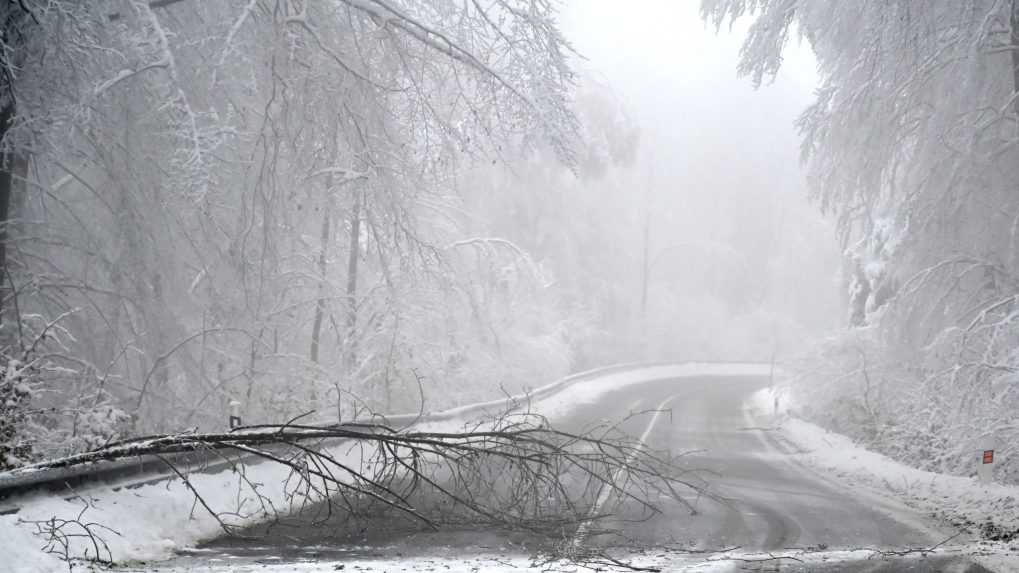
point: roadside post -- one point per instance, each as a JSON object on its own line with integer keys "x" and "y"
{"x": 235, "y": 414}
{"x": 986, "y": 459}
{"x": 774, "y": 391}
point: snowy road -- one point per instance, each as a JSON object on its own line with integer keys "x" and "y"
{"x": 763, "y": 502}
{"x": 769, "y": 502}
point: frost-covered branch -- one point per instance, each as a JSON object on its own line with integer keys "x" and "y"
{"x": 513, "y": 471}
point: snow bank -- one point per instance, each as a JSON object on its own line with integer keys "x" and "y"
{"x": 665, "y": 560}
{"x": 976, "y": 508}
{"x": 151, "y": 521}
{"x": 467, "y": 565}
{"x": 487, "y": 563}
{"x": 590, "y": 391}
{"x": 155, "y": 520}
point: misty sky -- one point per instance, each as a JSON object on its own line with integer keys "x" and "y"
{"x": 722, "y": 158}
{"x": 674, "y": 71}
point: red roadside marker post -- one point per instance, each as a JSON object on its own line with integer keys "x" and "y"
{"x": 986, "y": 460}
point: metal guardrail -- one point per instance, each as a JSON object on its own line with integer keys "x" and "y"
{"x": 148, "y": 469}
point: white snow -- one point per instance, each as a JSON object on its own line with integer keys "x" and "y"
{"x": 152, "y": 520}
{"x": 588, "y": 392}
{"x": 666, "y": 561}
{"x": 468, "y": 565}
{"x": 488, "y": 564}
{"x": 959, "y": 500}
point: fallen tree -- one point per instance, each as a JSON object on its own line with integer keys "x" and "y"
{"x": 513, "y": 472}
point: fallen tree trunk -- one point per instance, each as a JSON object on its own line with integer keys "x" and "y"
{"x": 514, "y": 471}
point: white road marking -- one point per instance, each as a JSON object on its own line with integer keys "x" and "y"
{"x": 606, "y": 492}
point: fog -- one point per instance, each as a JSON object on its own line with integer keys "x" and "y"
{"x": 593, "y": 283}
{"x": 276, "y": 209}
{"x": 349, "y": 219}
{"x": 739, "y": 258}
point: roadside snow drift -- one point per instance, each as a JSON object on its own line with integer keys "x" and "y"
{"x": 990, "y": 511}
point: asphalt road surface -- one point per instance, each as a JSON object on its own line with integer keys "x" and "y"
{"x": 760, "y": 499}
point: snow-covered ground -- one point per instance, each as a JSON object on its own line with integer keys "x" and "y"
{"x": 153, "y": 521}
{"x": 589, "y": 391}
{"x": 147, "y": 522}
{"x": 974, "y": 507}
{"x": 665, "y": 562}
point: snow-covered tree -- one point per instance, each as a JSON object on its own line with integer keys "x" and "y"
{"x": 254, "y": 201}
{"x": 912, "y": 146}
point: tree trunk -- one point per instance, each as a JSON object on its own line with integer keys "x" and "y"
{"x": 14, "y": 397}
{"x": 1014, "y": 21}
{"x": 350, "y": 353}
{"x": 320, "y": 307}
{"x": 7, "y": 166}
